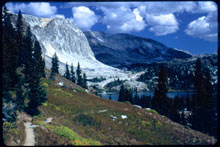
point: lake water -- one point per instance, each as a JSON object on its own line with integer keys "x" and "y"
{"x": 169, "y": 94}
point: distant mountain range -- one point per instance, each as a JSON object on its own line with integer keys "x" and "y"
{"x": 111, "y": 56}
{"x": 119, "y": 50}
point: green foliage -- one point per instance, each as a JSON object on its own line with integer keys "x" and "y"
{"x": 97, "y": 80}
{"x": 160, "y": 99}
{"x": 203, "y": 116}
{"x": 79, "y": 76}
{"x": 72, "y": 74}
{"x": 74, "y": 137}
{"x": 114, "y": 83}
{"x": 84, "y": 85}
{"x": 85, "y": 120}
{"x": 67, "y": 73}
{"x": 151, "y": 110}
{"x": 45, "y": 85}
{"x": 55, "y": 66}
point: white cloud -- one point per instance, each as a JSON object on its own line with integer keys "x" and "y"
{"x": 122, "y": 19}
{"x": 84, "y": 17}
{"x": 162, "y": 24}
{"x": 204, "y": 27}
{"x": 38, "y": 9}
{"x": 208, "y": 6}
{"x": 59, "y": 16}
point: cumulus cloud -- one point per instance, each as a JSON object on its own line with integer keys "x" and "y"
{"x": 84, "y": 17}
{"x": 204, "y": 27}
{"x": 123, "y": 19}
{"x": 162, "y": 24}
{"x": 38, "y": 9}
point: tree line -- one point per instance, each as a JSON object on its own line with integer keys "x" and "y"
{"x": 22, "y": 69}
{"x": 201, "y": 105}
{"x": 75, "y": 77}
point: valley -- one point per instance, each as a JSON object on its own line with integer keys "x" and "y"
{"x": 66, "y": 86}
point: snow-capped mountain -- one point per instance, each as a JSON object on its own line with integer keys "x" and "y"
{"x": 71, "y": 45}
{"x": 122, "y": 49}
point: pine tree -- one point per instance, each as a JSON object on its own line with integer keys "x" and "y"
{"x": 79, "y": 76}
{"x": 203, "y": 115}
{"x": 9, "y": 56}
{"x": 85, "y": 81}
{"x": 136, "y": 97}
{"x": 72, "y": 74}
{"x": 54, "y": 67}
{"x": 67, "y": 73}
{"x": 183, "y": 120}
{"x": 40, "y": 60}
{"x": 20, "y": 95}
{"x": 56, "y": 64}
{"x": 28, "y": 65}
{"x": 36, "y": 94}
{"x": 121, "y": 96}
{"x": 20, "y": 33}
{"x": 160, "y": 99}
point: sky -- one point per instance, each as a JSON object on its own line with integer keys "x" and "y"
{"x": 189, "y": 26}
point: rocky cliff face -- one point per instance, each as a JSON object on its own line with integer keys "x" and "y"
{"x": 119, "y": 50}
{"x": 71, "y": 45}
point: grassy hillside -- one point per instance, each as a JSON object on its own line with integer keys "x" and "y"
{"x": 81, "y": 118}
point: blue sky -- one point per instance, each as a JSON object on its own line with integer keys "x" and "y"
{"x": 189, "y": 26}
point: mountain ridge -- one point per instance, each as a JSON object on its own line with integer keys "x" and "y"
{"x": 125, "y": 48}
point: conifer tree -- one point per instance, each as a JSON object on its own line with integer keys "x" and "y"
{"x": 136, "y": 97}
{"x": 85, "y": 81}
{"x": 54, "y": 67}
{"x": 9, "y": 55}
{"x": 203, "y": 115}
{"x": 160, "y": 99}
{"x": 36, "y": 94}
{"x": 29, "y": 48}
{"x": 121, "y": 96}
{"x": 79, "y": 76}
{"x": 72, "y": 74}
{"x": 20, "y": 95}
{"x": 20, "y": 33}
{"x": 67, "y": 73}
{"x": 40, "y": 60}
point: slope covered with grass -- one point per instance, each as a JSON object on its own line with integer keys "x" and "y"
{"x": 81, "y": 118}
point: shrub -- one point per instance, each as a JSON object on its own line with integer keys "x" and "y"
{"x": 45, "y": 85}
{"x": 85, "y": 120}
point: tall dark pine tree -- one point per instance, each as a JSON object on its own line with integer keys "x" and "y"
{"x": 85, "y": 81}
{"x": 20, "y": 33}
{"x": 72, "y": 74}
{"x": 27, "y": 53}
{"x": 36, "y": 94}
{"x": 121, "y": 96}
{"x": 40, "y": 60}
{"x": 128, "y": 95}
{"x": 136, "y": 97}
{"x": 20, "y": 95}
{"x": 203, "y": 115}
{"x": 55, "y": 66}
{"x": 79, "y": 76}
{"x": 67, "y": 73}
{"x": 160, "y": 99}
{"x": 9, "y": 56}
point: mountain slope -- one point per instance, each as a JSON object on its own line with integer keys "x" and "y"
{"x": 121, "y": 49}
{"x": 69, "y": 42}
{"x": 105, "y": 121}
